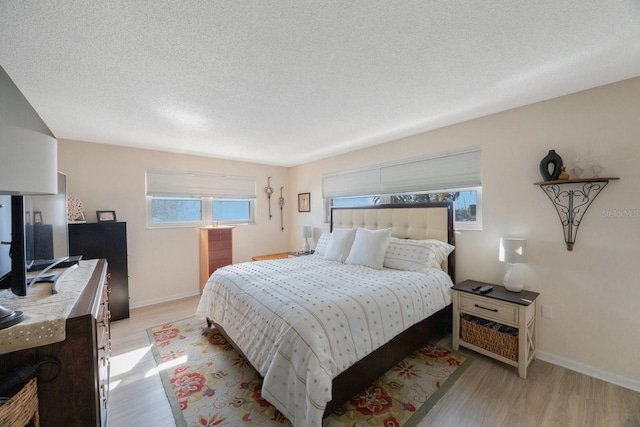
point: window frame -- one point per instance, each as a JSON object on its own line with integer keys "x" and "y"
{"x": 252, "y": 210}
{"x": 458, "y": 225}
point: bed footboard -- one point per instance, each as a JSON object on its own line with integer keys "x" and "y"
{"x": 364, "y": 372}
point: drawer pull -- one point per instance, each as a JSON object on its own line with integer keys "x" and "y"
{"x": 495, "y": 310}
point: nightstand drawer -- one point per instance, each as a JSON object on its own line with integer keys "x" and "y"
{"x": 489, "y": 309}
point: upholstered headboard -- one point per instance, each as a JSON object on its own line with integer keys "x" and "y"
{"x": 415, "y": 221}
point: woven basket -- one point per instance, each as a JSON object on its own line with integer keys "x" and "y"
{"x": 22, "y": 407}
{"x": 505, "y": 345}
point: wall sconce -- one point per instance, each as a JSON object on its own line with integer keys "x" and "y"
{"x": 572, "y": 198}
{"x": 513, "y": 251}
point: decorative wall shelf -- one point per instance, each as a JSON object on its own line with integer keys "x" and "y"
{"x": 572, "y": 198}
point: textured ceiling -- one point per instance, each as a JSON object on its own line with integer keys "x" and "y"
{"x": 287, "y": 82}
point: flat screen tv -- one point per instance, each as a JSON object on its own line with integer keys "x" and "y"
{"x": 34, "y": 236}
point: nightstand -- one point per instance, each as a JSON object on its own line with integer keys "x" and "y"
{"x": 499, "y": 324}
{"x": 297, "y": 254}
{"x": 282, "y": 255}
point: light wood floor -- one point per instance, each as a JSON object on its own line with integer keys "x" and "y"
{"x": 488, "y": 394}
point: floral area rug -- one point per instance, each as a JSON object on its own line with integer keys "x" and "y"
{"x": 209, "y": 384}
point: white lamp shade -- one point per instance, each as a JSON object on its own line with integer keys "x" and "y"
{"x": 28, "y": 163}
{"x": 307, "y": 231}
{"x": 513, "y": 250}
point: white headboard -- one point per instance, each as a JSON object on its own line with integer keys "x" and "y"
{"x": 419, "y": 221}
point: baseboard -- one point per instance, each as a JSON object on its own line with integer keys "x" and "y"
{"x": 163, "y": 300}
{"x": 589, "y": 370}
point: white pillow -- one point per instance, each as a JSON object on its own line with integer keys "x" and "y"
{"x": 340, "y": 244}
{"x": 369, "y": 247}
{"x": 416, "y": 255}
{"x": 321, "y": 246}
{"x": 408, "y": 256}
{"x": 442, "y": 250}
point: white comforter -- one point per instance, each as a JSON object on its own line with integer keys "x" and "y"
{"x": 302, "y": 321}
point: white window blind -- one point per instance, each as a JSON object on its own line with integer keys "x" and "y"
{"x": 198, "y": 184}
{"x": 459, "y": 169}
{"x": 361, "y": 182}
{"x": 452, "y": 169}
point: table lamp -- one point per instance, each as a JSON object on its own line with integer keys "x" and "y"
{"x": 307, "y": 233}
{"x": 513, "y": 251}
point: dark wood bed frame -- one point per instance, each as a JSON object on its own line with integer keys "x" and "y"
{"x": 360, "y": 375}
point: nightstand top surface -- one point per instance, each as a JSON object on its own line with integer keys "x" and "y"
{"x": 300, "y": 253}
{"x": 499, "y": 292}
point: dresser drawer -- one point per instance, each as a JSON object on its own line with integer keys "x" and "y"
{"x": 486, "y": 308}
{"x": 219, "y": 245}
{"x": 219, "y": 234}
{"x": 219, "y": 264}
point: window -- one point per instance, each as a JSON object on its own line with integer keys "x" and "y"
{"x": 451, "y": 176}
{"x": 175, "y": 210}
{"x": 355, "y": 201}
{"x": 188, "y": 199}
{"x": 466, "y": 204}
{"x": 233, "y": 211}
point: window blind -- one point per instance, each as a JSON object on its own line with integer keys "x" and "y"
{"x": 442, "y": 171}
{"x": 360, "y": 182}
{"x": 198, "y": 184}
{"x": 448, "y": 170}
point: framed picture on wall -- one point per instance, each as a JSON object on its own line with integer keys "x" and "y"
{"x": 304, "y": 202}
{"x": 37, "y": 217}
{"x": 106, "y": 216}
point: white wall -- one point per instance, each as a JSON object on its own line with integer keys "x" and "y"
{"x": 164, "y": 263}
{"x": 594, "y": 291}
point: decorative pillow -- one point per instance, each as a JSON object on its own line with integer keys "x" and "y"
{"x": 369, "y": 247}
{"x": 416, "y": 255}
{"x": 340, "y": 244}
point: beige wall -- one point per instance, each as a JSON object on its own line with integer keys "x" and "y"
{"x": 594, "y": 291}
{"x": 164, "y": 263}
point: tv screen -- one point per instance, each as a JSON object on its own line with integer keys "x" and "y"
{"x": 34, "y": 236}
{"x": 49, "y": 226}
{"x": 5, "y": 236}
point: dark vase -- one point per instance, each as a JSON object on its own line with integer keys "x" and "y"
{"x": 551, "y": 166}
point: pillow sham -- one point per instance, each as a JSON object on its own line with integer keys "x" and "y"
{"x": 416, "y": 255}
{"x": 321, "y": 246}
{"x": 369, "y": 248}
{"x": 340, "y": 244}
{"x": 441, "y": 249}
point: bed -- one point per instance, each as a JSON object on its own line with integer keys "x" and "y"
{"x": 320, "y": 328}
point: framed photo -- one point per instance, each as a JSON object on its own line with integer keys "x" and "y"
{"x": 27, "y": 217}
{"x": 37, "y": 217}
{"x": 106, "y": 216}
{"x": 304, "y": 202}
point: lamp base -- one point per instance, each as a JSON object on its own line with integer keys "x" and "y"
{"x": 512, "y": 281}
{"x": 513, "y": 287}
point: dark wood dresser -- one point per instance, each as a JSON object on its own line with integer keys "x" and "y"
{"x": 216, "y": 250}
{"x": 79, "y": 394}
{"x": 106, "y": 240}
